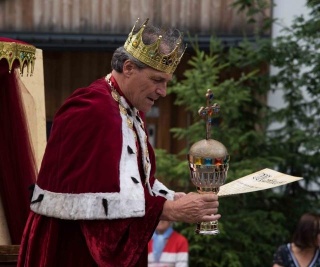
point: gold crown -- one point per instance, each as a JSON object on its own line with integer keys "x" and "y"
{"x": 23, "y": 52}
{"x": 150, "y": 54}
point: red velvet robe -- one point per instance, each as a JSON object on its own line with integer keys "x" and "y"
{"x": 88, "y": 188}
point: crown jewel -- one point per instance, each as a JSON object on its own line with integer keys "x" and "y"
{"x": 151, "y": 54}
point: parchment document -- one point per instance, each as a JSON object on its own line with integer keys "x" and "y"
{"x": 260, "y": 180}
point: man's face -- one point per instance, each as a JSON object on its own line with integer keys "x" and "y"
{"x": 145, "y": 86}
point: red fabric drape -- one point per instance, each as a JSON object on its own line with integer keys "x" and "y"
{"x": 17, "y": 164}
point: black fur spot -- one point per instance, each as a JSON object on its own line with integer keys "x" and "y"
{"x": 163, "y": 192}
{"x": 39, "y": 199}
{"x": 130, "y": 151}
{"x": 129, "y": 111}
{"x": 105, "y": 206}
{"x": 134, "y": 180}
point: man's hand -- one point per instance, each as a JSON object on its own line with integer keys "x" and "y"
{"x": 178, "y": 195}
{"x": 191, "y": 208}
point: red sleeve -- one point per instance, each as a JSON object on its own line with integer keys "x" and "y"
{"x": 109, "y": 240}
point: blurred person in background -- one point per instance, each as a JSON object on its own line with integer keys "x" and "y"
{"x": 167, "y": 248}
{"x": 303, "y": 251}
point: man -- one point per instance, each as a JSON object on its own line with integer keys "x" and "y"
{"x": 96, "y": 201}
{"x": 167, "y": 248}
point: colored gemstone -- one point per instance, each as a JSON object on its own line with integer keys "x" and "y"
{"x": 208, "y": 161}
{"x": 198, "y": 161}
{"x": 218, "y": 161}
{"x": 151, "y": 53}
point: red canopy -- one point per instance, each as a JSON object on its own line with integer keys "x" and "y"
{"x": 17, "y": 164}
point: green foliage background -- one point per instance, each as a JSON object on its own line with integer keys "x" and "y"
{"x": 254, "y": 225}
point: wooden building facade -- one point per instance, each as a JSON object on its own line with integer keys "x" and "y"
{"x": 78, "y": 37}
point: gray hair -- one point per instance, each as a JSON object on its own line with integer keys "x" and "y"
{"x": 120, "y": 56}
{"x": 150, "y": 34}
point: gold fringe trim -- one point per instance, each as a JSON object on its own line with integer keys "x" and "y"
{"x": 24, "y": 53}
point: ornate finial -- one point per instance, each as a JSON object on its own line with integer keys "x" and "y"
{"x": 150, "y": 54}
{"x": 24, "y": 53}
{"x": 208, "y": 111}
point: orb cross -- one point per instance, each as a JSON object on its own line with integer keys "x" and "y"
{"x": 208, "y": 111}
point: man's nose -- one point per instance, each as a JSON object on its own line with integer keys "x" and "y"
{"x": 162, "y": 90}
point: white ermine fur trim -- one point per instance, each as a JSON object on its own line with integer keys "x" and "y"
{"x": 86, "y": 206}
{"x": 158, "y": 186}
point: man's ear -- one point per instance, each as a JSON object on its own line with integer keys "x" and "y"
{"x": 128, "y": 67}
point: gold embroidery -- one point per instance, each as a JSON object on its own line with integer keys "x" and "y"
{"x": 115, "y": 96}
{"x": 130, "y": 124}
{"x": 123, "y": 110}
